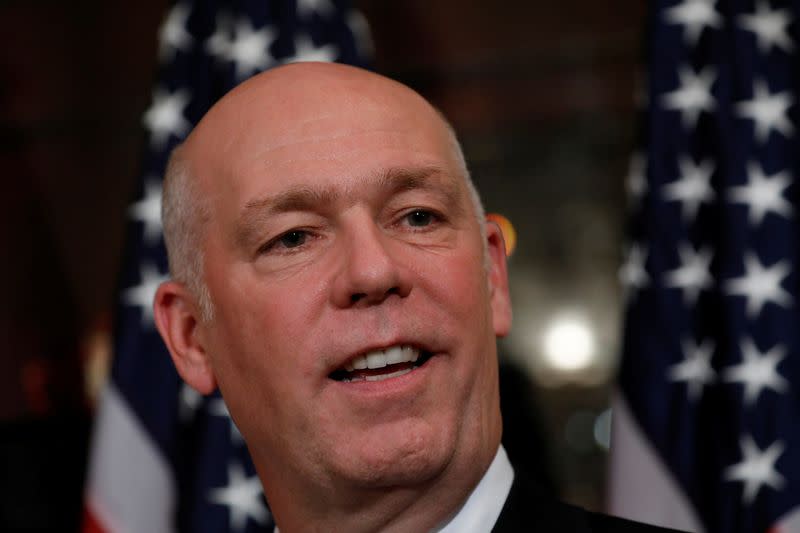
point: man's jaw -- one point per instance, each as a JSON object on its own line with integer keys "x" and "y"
{"x": 381, "y": 364}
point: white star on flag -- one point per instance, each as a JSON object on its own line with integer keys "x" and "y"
{"x": 307, "y": 7}
{"x": 142, "y": 294}
{"x": 305, "y": 50}
{"x": 243, "y": 498}
{"x": 769, "y": 26}
{"x": 694, "y": 15}
{"x": 173, "y": 35}
{"x": 757, "y": 468}
{"x": 219, "y": 44}
{"x": 636, "y": 182}
{"x": 148, "y": 211}
{"x": 763, "y": 194}
{"x": 760, "y": 285}
{"x": 695, "y": 370}
{"x": 165, "y": 117}
{"x": 768, "y": 111}
{"x": 632, "y": 273}
{"x": 693, "y": 95}
{"x": 758, "y": 371}
{"x": 218, "y": 408}
{"x": 693, "y": 187}
{"x": 249, "y": 49}
{"x": 693, "y": 275}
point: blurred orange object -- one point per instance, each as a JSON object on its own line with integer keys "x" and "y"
{"x": 509, "y": 233}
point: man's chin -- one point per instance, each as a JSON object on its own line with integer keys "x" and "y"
{"x": 393, "y": 465}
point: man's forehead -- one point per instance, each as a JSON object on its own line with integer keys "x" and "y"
{"x": 307, "y": 124}
{"x": 306, "y": 195}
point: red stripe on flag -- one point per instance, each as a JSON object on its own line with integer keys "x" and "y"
{"x": 90, "y": 523}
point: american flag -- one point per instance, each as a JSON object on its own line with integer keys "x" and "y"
{"x": 707, "y": 423}
{"x": 163, "y": 457}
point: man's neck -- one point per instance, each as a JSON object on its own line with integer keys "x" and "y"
{"x": 423, "y": 508}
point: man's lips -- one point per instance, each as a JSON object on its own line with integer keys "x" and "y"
{"x": 378, "y": 365}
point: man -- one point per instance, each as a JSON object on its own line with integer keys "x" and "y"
{"x": 333, "y": 274}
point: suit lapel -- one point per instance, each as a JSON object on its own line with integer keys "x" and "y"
{"x": 529, "y": 510}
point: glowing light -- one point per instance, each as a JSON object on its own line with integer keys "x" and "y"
{"x": 569, "y": 344}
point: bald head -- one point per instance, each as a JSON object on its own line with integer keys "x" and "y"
{"x": 297, "y": 107}
{"x": 291, "y": 97}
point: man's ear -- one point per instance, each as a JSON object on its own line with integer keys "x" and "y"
{"x": 176, "y": 316}
{"x": 498, "y": 279}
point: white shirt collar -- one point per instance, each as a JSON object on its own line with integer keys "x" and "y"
{"x": 482, "y": 509}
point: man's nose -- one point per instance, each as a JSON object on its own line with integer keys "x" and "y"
{"x": 369, "y": 271}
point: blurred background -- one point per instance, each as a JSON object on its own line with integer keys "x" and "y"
{"x": 542, "y": 96}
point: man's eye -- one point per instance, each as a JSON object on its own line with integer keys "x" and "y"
{"x": 293, "y": 239}
{"x": 420, "y": 218}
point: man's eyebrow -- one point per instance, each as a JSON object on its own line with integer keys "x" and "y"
{"x": 295, "y": 199}
{"x": 427, "y": 179}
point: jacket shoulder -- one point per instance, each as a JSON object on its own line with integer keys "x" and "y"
{"x": 601, "y": 523}
{"x": 529, "y": 508}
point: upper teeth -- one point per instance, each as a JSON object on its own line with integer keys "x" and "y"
{"x": 381, "y": 358}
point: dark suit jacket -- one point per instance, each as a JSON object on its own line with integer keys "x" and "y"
{"x": 528, "y": 509}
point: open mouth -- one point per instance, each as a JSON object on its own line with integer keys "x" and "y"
{"x": 378, "y": 365}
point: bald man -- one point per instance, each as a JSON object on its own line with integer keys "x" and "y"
{"x": 334, "y": 276}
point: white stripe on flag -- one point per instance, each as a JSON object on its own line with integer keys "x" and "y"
{"x": 640, "y": 487}
{"x": 790, "y": 522}
{"x": 129, "y": 487}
